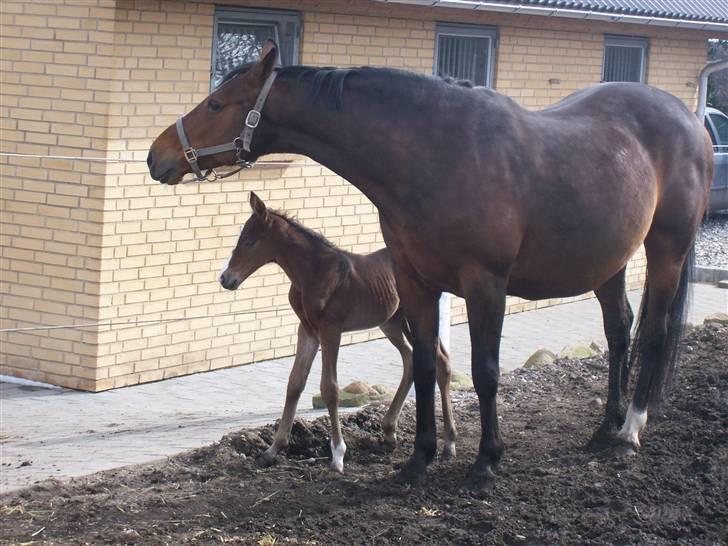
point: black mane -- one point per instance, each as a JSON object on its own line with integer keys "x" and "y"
{"x": 328, "y": 82}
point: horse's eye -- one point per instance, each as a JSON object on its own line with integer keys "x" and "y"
{"x": 214, "y": 105}
{"x": 250, "y": 242}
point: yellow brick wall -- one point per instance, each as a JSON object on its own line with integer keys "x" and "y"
{"x": 52, "y": 104}
{"x": 89, "y": 241}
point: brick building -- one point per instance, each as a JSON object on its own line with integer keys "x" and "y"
{"x": 89, "y": 239}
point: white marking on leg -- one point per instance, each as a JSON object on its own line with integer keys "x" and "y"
{"x": 633, "y": 425}
{"x": 337, "y": 456}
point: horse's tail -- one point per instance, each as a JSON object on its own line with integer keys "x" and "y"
{"x": 663, "y": 350}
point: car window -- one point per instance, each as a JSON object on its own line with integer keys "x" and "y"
{"x": 711, "y": 131}
{"x": 721, "y": 126}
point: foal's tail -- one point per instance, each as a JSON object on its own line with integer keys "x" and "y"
{"x": 659, "y": 345}
{"x": 407, "y": 330}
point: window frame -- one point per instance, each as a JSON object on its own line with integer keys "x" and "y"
{"x": 262, "y": 16}
{"x": 465, "y": 30}
{"x": 616, "y": 40}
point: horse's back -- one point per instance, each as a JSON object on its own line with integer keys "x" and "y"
{"x": 608, "y": 163}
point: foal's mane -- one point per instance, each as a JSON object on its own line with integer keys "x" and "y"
{"x": 308, "y": 233}
{"x": 328, "y": 82}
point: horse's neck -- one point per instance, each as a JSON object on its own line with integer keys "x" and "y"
{"x": 333, "y": 137}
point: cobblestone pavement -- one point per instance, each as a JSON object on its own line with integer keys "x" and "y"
{"x": 54, "y": 432}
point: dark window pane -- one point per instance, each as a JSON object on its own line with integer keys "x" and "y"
{"x": 464, "y": 58}
{"x": 622, "y": 64}
{"x": 721, "y": 125}
{"x": 238, "y": 44}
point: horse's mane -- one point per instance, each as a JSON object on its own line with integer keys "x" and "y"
{"x": 328, "y": 82}
{"x": 303, "y": 230}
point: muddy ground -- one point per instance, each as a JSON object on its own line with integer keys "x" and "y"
{"x": 549, "y": 489}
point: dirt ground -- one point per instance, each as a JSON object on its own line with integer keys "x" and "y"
{"x": 550, "y": 489}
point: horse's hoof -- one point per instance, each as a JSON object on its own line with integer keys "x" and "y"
{"x": 480, "y": 480}
{"x": 265, "y": 460}
{"x": 624, "y": 450}
{"x": 602, "y": 439}
{"x": 448, "y": 451}
{"x": 413, "y": 472}
{"x": 337, "y": 467}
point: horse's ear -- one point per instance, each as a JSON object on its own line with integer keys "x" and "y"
{"x": 267, "y": 62}
{"x": 259, "y": 208}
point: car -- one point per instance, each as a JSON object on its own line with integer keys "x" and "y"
{"x": 716, "y": 122}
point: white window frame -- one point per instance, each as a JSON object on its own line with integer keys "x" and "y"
{"x": 226, "y": 14}
{"x": 469, "y": 31}
{"x": 611, "y": 40}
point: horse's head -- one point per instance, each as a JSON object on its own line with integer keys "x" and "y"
{"x": 254, "y": 249}
{"x": 213, "y": 133}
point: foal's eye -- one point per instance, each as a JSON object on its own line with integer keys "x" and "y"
{"x": 250, "y": 242}
{"x": 214, "y": 106}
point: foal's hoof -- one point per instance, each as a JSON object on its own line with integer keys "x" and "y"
{"x": 448, "y": 451}
{"x": 480, "y": 479}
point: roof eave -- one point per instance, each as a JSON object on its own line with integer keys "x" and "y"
{"x": 566, "y": 12}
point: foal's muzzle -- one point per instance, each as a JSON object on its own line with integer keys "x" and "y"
{"x": 230, "y": 281}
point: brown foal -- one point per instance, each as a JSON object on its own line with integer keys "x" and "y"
{"x": 332, "y": 291}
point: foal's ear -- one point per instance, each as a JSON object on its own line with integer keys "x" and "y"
{"x": 267, "y": 61}
{"x": 259, "y": 208}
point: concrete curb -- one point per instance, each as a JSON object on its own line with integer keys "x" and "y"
{"x": 709, "y": 275}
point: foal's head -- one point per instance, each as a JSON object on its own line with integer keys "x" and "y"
{"x": 255, "y": 247}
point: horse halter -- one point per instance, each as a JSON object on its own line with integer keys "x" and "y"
{"x": 240, "y": 145}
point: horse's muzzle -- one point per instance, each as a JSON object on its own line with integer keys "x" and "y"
{"x": 158, "y": 171}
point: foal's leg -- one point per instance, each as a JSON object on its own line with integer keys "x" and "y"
{"x": 444, "y": 373}
{"x": 305, "y": 352}
{"x": 485, "y": 299}
{"x": 330, "y": 340}
{"x": 617, "y": 316}
{"x": 394, "y": 330}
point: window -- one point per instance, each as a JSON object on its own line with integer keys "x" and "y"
{"x": 465, "y": 52}
{"x": 240, "y": 35}
{"x": 624, "y": 59}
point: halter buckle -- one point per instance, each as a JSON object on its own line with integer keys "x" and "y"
{"x": 190, "y": 155}
{"x": 252, "y": 119}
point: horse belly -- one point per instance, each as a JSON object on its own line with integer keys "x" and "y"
{"x": 569, "y": 267}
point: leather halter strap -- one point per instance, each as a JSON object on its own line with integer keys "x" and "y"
{"x": 239, "y": 145}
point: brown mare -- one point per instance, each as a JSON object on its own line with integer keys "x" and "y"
{"x": 332, "y": 291}
{"x": 481, "y": 198}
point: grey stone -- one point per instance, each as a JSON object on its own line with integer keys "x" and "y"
{"x": 542, "y": 357}
{"x": 346, "y": 400}
{"x": 723, "y": 284}
{"x": 460, "y": 381}
{"x": 716, "y": 318}
{"x": 578, "y": 351}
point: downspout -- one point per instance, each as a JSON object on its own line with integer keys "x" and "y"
{"x": 713, "y": 66}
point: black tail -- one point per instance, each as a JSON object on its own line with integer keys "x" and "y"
{"x": 663, "y": 349}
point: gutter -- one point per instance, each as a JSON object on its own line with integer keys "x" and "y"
{"x": 477, "y": 5}
{"x": 709, "y": 68}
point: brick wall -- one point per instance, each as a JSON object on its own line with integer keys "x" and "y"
{"x": 87, "y": 241}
